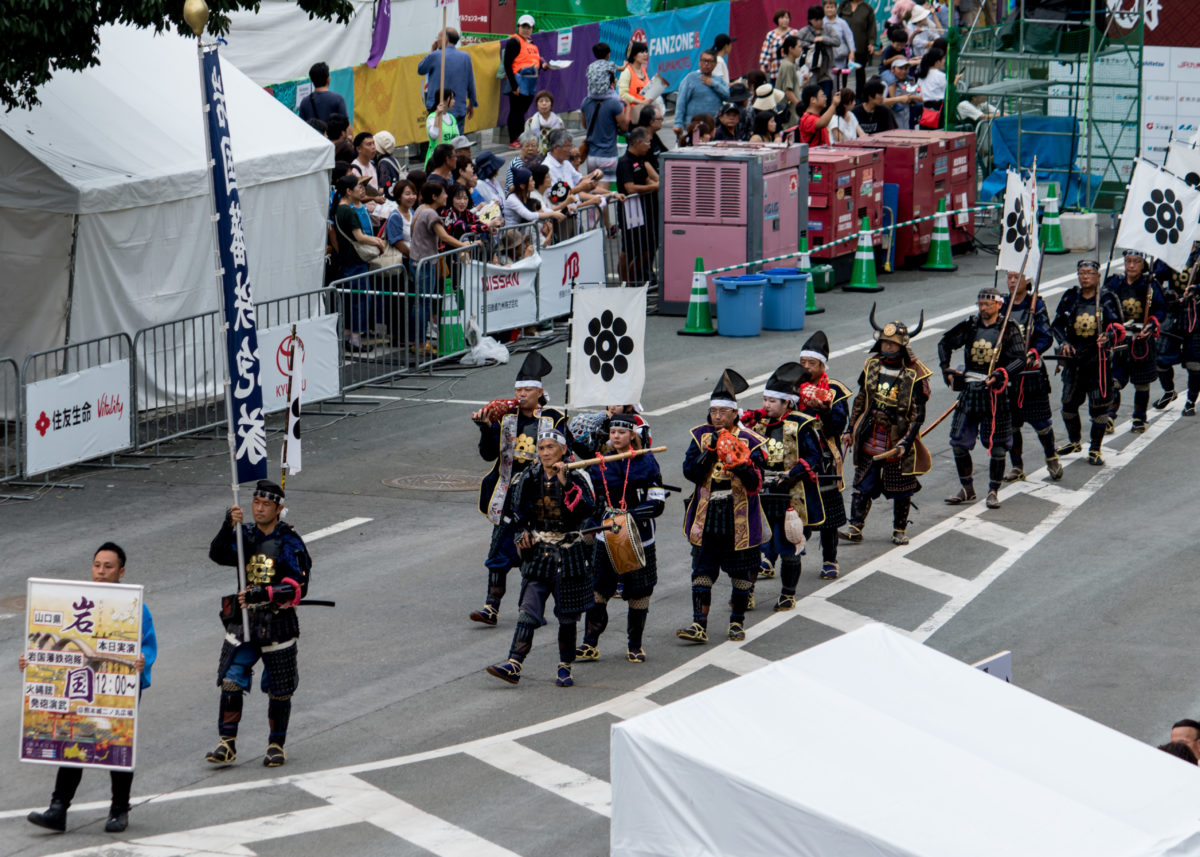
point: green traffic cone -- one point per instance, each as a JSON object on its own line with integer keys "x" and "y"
{"x": 940, "y": 258}
{"x": 862, "y": 278}
{"x": 810, "y": 301}
{"x": 699, "y": 316}
{"x": 450, "y": 331}
{"x": 1052, "y": 240}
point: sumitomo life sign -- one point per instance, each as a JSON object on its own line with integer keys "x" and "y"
{"x": 76, "y": 417}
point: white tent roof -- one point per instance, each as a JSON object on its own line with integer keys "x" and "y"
{"x": 128, "y": 132}
{"x": 872, "y": 744}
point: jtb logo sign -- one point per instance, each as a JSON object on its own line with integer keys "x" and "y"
{"x": 571, "y": 269}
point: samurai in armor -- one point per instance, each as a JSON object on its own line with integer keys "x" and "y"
{"x": 1029, "y": 392}
{"x": 1180, "y": 342}
{"x": 633, "y": 487}
{"x": 1086, "y": 319}
{"x": 277, "y": 571}
{"x": 508, "y": 434}
{"x": 549, "y": 504}
{"x": 828, "y": 402}
{"x": 886, "y": 420}
{"x": 783, "y": 428}
{"x": 1144, "y": 310}
{"x": 723, "y": 522}
{"x": 994, "y": 353}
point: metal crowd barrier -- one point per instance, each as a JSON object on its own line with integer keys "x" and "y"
{"x": 179, "y": 367}
{"x": 631, "y": 238}
{"x": 407, "y": 320}
{"x": 513, "y": 243}
{"x": 76, "y": 357}
{"x": 10, "y": 422}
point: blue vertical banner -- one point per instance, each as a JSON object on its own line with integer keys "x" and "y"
{"x": 241, "y": 335}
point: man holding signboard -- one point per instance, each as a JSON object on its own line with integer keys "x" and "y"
{"x": 277, "y": 566}
{"x": 108, "y": 566}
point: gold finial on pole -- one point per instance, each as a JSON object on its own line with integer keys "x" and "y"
{"x": 195, "y": 12}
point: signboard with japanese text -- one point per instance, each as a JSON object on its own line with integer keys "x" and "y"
{"x": 80, "y": 688}
{"x": 577, "y": 261}
{"x": 510, "y": 295}
{"x": 241, "y": 337}
{"x": 319, "y": 349}
{"x": 76, "y": 417}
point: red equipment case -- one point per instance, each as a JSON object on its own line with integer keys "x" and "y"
{"x": 845, "y": 185}
{"x": 960, "y": 154}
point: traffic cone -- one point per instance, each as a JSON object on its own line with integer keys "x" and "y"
{"x": 862, "y": 278}
{"x": 699, "y": 316}
{"x": 1052, "y": 241}
{"x": 450, "y": 331}
{"x": 810, "y": 301}
{"x": 940, "y": 258}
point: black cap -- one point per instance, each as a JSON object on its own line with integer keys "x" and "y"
{"x": 533, "y": 370}
{"x": 817, "y": 346}
{"x": 625, "y": 421}
{"x": 268, "y": 490}
{"x": 739, "y": 92}
{"x": 783, "y": 381}
{"x": 724, "y": 395}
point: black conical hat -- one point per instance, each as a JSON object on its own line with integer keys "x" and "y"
{"x": 533, "y": 370}
{"x": 784, "y": 380}
{"x": 817, "y": 346}
{"x": 729, "y": 385}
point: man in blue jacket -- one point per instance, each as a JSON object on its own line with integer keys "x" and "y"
{"x": 108, "y": 566}
{"x": 700, "y": 92}
{"x": 460, "y": 78}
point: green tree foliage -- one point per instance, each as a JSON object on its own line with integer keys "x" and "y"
{"x": 43, "y": 36}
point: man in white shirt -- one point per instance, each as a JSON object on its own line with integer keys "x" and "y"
{"x": 558, "y": 160}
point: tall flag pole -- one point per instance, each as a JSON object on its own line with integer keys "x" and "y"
{"x": 247, "y": 432}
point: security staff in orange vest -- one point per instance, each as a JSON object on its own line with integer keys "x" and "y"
{"x": 634, "y": 78}
{"x": 521, "y": 64}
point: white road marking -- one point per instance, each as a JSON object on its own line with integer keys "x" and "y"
{"x": 334, "y": 529}
{"x": 923, "y": 575}
{"x": 357, "y": 800}
{"x": 417, "y": 399}
{"x": 553, "y": 776}
{"x": 1049, "y": 289}
{"x": 738, "y": 661}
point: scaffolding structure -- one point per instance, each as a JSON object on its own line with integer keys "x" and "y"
{"x": 1086, "y": 69}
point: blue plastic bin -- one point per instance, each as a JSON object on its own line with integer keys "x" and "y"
{"x": 739, "y": 304}
{"x": 784, "y": 299}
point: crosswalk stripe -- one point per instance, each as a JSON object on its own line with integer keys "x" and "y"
{"x": 357, "y": 800}
{"x": 542, "y": 771}
{"x": 923, "y": 575}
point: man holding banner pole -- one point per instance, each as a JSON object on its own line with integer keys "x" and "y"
{"x": 279, "y": 573}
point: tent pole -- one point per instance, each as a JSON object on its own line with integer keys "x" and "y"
{"x": 71, "y": 276}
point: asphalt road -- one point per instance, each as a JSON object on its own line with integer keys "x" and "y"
{"x": 401, "y": 744}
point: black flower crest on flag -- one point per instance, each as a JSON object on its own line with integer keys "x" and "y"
{"x": 607, "y": 345}
{"x": 1164, "y": 215}
{"x": 1192, "y": 178}
{"x": 1016, "y": 227}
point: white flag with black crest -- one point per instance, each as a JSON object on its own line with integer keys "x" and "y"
{"x": 291, "y": 446}
{"x": 608, "y": 339}
{"x": 1018, "y": 227}
{"x": 1161, "y": 216}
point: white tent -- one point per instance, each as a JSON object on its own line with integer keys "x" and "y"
{"x": 872, "y": 744}
{"x": 279, "y": 42}
{"x": 104, "y": 210}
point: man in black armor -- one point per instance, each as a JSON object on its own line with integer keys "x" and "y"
{"x": 1086, "y": 317}
{"x": 994, "y": 354}
{"x": 549, "y": 504}
{"x": 1144, "y": 310}
{"x": 508, "y": 433}
{"x": 885, "y": 420}
{"x": 1029, "y": 392}
{"x": 1181, "y": 333}
{"x": 277, "y": 567}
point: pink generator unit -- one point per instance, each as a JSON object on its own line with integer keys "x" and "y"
{"x": 729, "y": 203}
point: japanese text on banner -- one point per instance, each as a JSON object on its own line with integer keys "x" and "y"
{"x": 242, "y": 337}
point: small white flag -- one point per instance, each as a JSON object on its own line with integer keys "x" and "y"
{"x": 291, "y": 446}
{"x": 1018, "y": 228}
{"x": 1183, "y": 159}
{"x": 608, "y": 339}
{"x": 1161, "y": 216}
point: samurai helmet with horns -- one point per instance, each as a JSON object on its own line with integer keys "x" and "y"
{"x": 895, "y": 331}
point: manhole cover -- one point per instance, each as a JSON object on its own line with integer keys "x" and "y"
{"x": 17, "y": 602}
{"x": 436, "y": 482}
